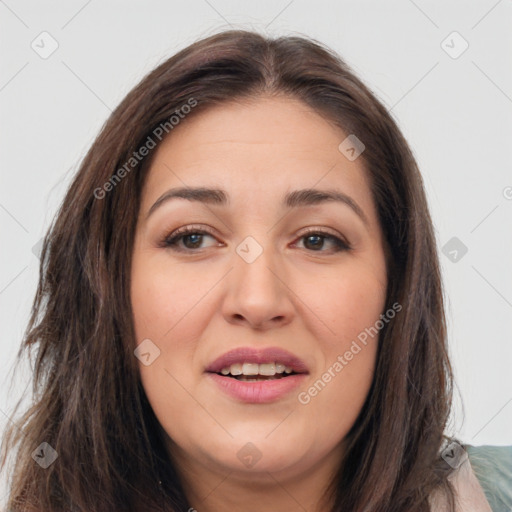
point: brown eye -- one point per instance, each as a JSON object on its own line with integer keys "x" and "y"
{"x": 186, "y": 239}
{"x": 195, "y": 240}
{"x": 315, "y": 241}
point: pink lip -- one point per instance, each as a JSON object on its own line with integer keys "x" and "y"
{"x": 262, "y": 391}
{"x": 252, "y": 355}
{"x": 258, "y": 392}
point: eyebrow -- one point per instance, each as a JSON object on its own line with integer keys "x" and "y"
{"x": 295, "y": 199}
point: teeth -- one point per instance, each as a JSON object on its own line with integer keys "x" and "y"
{"x": 235, "y": 369}
{"x": 250, "y": 369}
{"x": 266, "y": 369}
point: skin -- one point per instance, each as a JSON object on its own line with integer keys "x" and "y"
{"x": 298, "y": 294}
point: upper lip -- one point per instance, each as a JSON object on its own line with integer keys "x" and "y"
{"x": 260, "y": 356}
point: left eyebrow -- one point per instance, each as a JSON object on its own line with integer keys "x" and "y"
{"x": 311, "y": 196}
{"x": 295, "y": 199}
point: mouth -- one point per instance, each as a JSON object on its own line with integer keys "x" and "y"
{"x": 257, "y": 376}
{"x": 262, "y": 364}
{"x": 254, "y": 372}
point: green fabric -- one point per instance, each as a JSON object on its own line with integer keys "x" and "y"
{"x": 492, "y": 466}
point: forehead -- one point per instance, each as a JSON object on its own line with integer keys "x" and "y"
{"x": 256, "y": 123}
{"x": 257, "y": 148}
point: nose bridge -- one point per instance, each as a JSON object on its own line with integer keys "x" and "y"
{"x": 253, "y": 264}
{"x": 256, "y": 292}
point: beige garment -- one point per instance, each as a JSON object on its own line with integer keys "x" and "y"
{"x": 469, "y": 495}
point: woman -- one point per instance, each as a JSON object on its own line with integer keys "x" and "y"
{"x": 240, "y": 302}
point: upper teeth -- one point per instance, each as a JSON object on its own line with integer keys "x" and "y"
{"x": 256, "y": 369}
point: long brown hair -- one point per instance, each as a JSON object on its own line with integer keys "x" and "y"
{"x": 89, "y": 404}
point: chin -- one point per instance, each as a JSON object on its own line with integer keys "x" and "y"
{"x": 250, "y": 461}
{"x": 253, "y": 451}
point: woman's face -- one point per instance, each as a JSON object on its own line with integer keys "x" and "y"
{"x": 269, "y": 280}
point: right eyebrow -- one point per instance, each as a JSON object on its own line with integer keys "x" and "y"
{"x": 201, "y": 194}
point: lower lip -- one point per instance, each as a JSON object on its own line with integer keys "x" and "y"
{"x": 260, "y": 392}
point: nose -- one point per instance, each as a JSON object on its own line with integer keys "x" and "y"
{"x": 258, "y": 294}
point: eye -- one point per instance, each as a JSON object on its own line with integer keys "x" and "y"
{"x": 190, "y": 237}
{"x": 315, "y": 241}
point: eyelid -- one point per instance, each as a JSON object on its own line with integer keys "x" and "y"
{"x": 191, "y": 228}
{"x": 324, "y": 231}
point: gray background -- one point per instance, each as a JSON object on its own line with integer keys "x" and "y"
{"x": 455, "y": 110}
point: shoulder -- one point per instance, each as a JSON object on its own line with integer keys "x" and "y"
{"x": 492, "y": 466}
{"x": 481, "y": 479}
{"x": 469, "y": 495}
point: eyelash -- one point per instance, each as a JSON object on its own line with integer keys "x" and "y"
{"x": 171, "y": 241}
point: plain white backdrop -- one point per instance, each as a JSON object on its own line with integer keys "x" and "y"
{"x": 443, "y": 69}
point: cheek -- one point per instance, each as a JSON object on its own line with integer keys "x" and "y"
{"x": 172, "y": 309}
{"x": 167, "y": 307}
{"x": 163, "y": 299}
{"x": 351, "y": 306}
{"x": 346, "y": 302}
